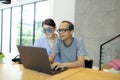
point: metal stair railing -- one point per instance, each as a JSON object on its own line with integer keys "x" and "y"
{"x": 101, "y": 47}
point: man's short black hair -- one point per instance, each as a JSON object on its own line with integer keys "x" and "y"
{"x": 71, "y": 26}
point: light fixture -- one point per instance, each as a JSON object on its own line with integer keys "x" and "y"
{"x": 5, "y": 1}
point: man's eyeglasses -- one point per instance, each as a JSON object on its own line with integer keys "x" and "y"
{"x": 62, "y": 30}
{"x": 49, "y": 30}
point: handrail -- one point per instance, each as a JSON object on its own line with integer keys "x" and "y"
{"x": 102, "y": 46}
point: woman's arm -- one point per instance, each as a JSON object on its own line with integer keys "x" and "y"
{"x": 51, "y": 57}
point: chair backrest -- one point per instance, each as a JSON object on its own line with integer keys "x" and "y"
{"x": 88, "y": 63}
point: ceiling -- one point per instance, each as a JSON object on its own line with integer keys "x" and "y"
{"x": 5, "y": 1}
{"x": 16, "y": 2}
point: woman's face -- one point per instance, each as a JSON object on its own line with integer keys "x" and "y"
{"x": 48, "y": 30}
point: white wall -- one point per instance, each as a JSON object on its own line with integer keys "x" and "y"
{"x": 63, "y": 10}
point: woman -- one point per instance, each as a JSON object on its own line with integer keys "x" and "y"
{"x": 50, "y": 37}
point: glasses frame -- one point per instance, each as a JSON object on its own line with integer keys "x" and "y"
{"x": 62, "y": 30}
{"x": 49, "y": 30}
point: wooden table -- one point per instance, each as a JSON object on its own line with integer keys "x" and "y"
{"x": 15, "y": 71}
{"x": 85, "y": 74}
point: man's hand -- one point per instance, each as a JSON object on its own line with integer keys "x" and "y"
{"x": 56, "y": 65}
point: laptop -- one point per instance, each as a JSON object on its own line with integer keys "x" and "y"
{"x": 36, "y": 58}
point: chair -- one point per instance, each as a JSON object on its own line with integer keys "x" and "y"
{"x": 88, "y": 63}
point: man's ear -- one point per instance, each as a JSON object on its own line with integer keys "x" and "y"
{"x": 72, "y": 31}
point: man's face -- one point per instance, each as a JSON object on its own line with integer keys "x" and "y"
{"x": 64, "y": 31}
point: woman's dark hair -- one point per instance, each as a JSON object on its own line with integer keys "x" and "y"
{"x": 49, "y": 22}
{"x": 71, "y": 26}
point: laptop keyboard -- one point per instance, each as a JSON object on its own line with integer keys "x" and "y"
{"x": 58, "y": 70}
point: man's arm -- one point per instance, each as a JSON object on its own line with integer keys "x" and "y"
{"x": 78, "y": 63}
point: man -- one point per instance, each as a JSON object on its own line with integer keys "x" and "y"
{"x": 70, "y": 49}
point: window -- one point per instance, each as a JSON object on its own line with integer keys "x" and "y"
{"x": 16, "y": 24}
{"x": 21, "y": 25}
{"x": 6, "y": 30}
{"x": 1, "y": 30}
{"x": 27, "y": 24}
